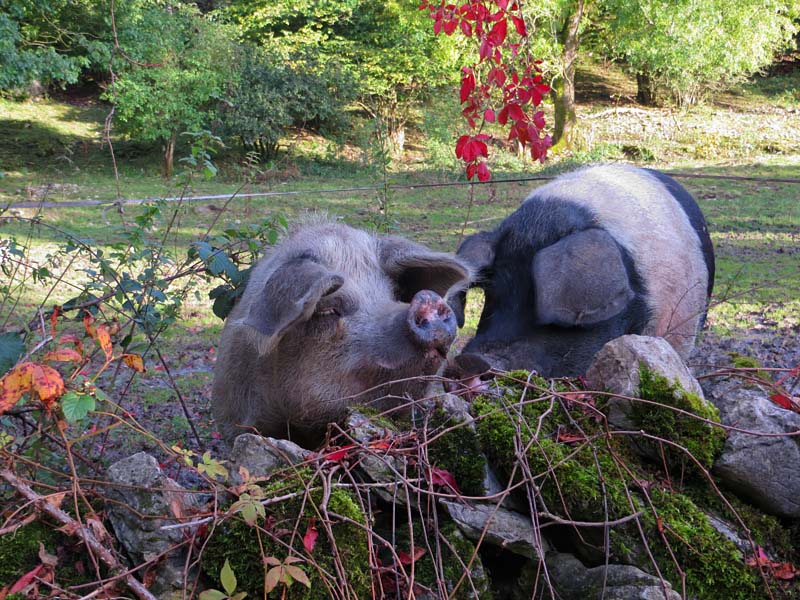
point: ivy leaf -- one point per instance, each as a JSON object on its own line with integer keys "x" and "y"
{"x": 76, "y": 406}
{"x": 227, "y": 578}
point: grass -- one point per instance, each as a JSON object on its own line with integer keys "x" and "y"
{"x": 52, "y": 150}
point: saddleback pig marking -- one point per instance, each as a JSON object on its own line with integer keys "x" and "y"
{"x": 332, "y": 316}
{"x": 595, "y": 254}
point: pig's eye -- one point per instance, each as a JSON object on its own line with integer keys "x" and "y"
{"x": 327, "y": 312}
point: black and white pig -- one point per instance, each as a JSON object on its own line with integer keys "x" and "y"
{"x": 332, "y": 316}
{"x": 594, "y": 254}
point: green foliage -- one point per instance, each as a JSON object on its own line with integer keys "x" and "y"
{"x": 279, "y": 537}
{"x": 19, "y": 554}
{"x": 457, "y": 451}
{"x": 183, "y": 72}
{"x": 689, "y": 46}
{"x": 11, "y": 350}
{"x": 703, "y": 441}
{"x": 272, "y": 91}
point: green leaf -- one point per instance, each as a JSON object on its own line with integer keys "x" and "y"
{"x": 11, "y": 349}
{"x": 76, "y": 406}
{"x": 227, "y": 578}
{"x": 212, "y": 595}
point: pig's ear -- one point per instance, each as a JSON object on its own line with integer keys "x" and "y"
{"x": 416, "y": 268}
{"x": 580, "y": 280}
{"x": 477, "y": 251}
{"x": 290, "y": 296}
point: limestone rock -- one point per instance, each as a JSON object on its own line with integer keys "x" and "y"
{"x": 760, "y": 468}
{"x": 616, "y": 370}
{"x": 142, "y": 489}
{"x": 573, "y": 581}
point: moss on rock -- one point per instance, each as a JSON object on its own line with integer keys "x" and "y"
{"x": 457, "y": 451}
{"x": 19, "y": 553}
{"x": 592, "y": 477}
{"x": 281, "y": 535}
{"x": 703, "y": 440}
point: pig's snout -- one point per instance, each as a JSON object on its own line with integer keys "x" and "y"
{"x": 431, "y": 322}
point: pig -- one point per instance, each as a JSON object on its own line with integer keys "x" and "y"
{"x": 331, "y": 317}
{"x": 594, "y": 254}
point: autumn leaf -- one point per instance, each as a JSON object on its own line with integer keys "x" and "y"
{"x": 784, "y": 570}
{"x": 340, "y": 454}
{"x": 104, "y": 339}
{"x": 134, "y": 361}
{"x": 444, "y": 478}
{"x": 47, "y": 383}
{"x": 406, "y": 559}
{"x": 26, "y": 377}
{"x": 26, "y": 580}
{"x": 63, "y": 355}
{"x": 88, "y": 325}
{"x": 54, "y": 320}
{"x": 310, "y": 538}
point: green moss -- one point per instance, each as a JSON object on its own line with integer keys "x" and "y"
{"x": 456, "y": 553}
{"x": 19, "y": 553}
{"x": 587, "y": 481}
{"x": 748, "y": 362}
{"x": 702, "y": 440}
{"x": 458, "y": 452}
{"x": 242, "y": 545}
{"x": 713, "y": 565}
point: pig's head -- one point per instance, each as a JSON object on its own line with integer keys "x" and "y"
{"x": 549, "y": 307}
{"x": 333, "y": 316}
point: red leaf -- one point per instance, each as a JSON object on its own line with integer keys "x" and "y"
{"x": 406, "y": 559}
{"x": 569, "y": 438}
{"x": 25, "y": 580}
{"x": 759, "y": 560}
{"x": 444, "y": 478}
{"x": 310, "y": 538}
{"x": 498, "y": 33}
{"x": 467, "y": 85}
{"x": 88, "y": 324}
{"x": 72, "y": 339}
{"x": 340, "y": 454}
{"x": 466, "y": 28}
{"x": 784, "y": 570}
{"x": 483, "y": 171}
{"x": 54, "y": 320}
{"x": 471, "y": 170}
{"x": 488, "y": 115}
{"x": 460, "y": 143}
{"x": 782, "y": 401}
{"x": 520, "y": 25}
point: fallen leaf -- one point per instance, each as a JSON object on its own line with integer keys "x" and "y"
{"x": 782, "y": 401}
{"x": 26, "y": 580}
{"x": 406, "y": 559}
{"x": 310, "y": 538}
{"x": 784, "y": 570}
{"x": 56, "y": 499}
{"x": 339, "y": 455}
{"x": 444, "y": 478}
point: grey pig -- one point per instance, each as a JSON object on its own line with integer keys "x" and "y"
{"x": 332, "y": 316}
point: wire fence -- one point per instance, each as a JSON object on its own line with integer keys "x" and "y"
{"x": 367, "y": 188}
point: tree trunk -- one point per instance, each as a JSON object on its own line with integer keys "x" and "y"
{"x": 169, "y": 153}
{"x": 563, "y": 89}
{"x": 646, "y": 88}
